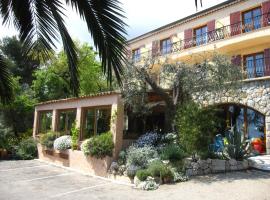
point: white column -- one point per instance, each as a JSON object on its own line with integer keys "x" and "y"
{"x": 54, "y": 120}
{"x": 78, "y": 117}
{"x": 35, "y": 125}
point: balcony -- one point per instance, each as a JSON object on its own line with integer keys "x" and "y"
{"x": 223, "y": 33}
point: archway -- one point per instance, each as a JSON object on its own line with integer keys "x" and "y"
{"x": 246, "y": 121}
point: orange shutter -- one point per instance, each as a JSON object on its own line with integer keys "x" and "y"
{"x": 267, "y": 62}
{"x": 235, "y": 22}
{"x": 266, "y": 13}
{"x": 211, "y": 30}
{"x": 155, "y": 48}
{"x": 188, "y": 38}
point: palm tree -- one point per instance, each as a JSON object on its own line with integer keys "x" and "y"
{"x": 196, "y": 3}
{"x": 40, "y": 25}
{"x": 6, "y": 93}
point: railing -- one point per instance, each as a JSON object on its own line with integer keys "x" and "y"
{"x": 211, "y": 36}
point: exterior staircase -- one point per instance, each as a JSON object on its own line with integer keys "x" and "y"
{"x": 260, "y": 162}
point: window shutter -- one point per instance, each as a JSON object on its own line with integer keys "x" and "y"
{"x": 155, "y": 48}
{"x": 266, "y": 13}
{"x": 267, "y": 62}
{"x": 211, "y": 26}
{"x": 188, "y": 38}
{"x": 129, "y": 53}
{"x": 235, "y": 22}
{"x": 237, "y": 60}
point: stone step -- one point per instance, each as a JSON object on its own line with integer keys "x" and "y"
{"x": 260, "y": 162}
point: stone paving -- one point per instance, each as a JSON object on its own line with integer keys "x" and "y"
{"x": 24, "y": 180}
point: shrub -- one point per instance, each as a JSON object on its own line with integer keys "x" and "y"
{"x": 101, "y": 145}
{"x": 62, "y": 143}
{"x": 132, "y": 170}
{"x": 155, "y": 168}
{"x": 85, "y": 147}
{"x": 140, "y": 156}
{"x": 47, "y": 139}
{"x": 196, "y": 127}
{"x": 148, "y": 139}
{"x": 122, "y": 158}
{"x": 169, "y": 138}
{"x": 172, "y": 152}
{"x": 75, "y": 131}
{"x": 27, "y": 149}
{"x": 142, "y": 174}
{"x": 166, "y": 173}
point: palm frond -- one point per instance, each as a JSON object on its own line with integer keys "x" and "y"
{"x": 107, "y": 29}
{"x": 68, "y": 44}
{"x": 6, "y": 86}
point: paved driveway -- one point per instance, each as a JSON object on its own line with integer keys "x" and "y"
{"x": 24, "y": 180}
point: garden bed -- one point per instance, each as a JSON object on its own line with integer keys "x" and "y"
{"x": 76, "y": 160}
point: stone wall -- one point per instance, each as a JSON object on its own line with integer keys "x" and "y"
{"x": 253, "y": 94}
{"x": 210, "y": 166}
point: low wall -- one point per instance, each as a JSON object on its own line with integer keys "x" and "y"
{"x": 76, "y": 160}
{"x": 210, "y": 166}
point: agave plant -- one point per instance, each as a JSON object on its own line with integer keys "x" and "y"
{"x": 41, "y": 24}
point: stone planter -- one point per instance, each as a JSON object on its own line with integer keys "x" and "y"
{"x": 202, "y": 167}
{"x": 62, "y": 153}
{"x": 3, "y": 154}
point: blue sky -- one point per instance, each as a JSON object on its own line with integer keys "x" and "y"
{"x": 142, "y": 16}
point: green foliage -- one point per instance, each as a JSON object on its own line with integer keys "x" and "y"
{"x": 18, "y": 115}
{"x": 101, "y": 145}
{"x": 142, "y": 174}
{"x": 75, "y": 131}
{"x": 196, "y": 127}
{"x": 235, "y": 147}
{"x": 155, "y": 168}
{"x": 27, "y": 149}
{"x": 47, "y": 139}
{"x": 85, "y": 147}
{"x": 122, "y": 157}
{"x": 53, "y": 81}
{"x": 140, "y": 156}
{"x": 166, "y": 173}
{"x": 172, "y": 152}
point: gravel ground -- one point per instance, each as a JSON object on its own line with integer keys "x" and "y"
{"x": 35, "y": 180}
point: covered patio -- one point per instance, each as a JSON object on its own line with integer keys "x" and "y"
{"x": 93, "y": 115}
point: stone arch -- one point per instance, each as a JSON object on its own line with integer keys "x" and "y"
{"x": 252, "y": 94}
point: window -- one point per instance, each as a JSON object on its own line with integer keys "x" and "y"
{"x": 254, "y": 65}
{"x": 96, "y": 121}
{"x": 201, "y": 35}
{"x": 136, "y": 55}
{"x": 66, "y": 119}
{"x": 45, "y": 121}
{"x": 252, "y": 19}
{"x": 165, "y": 46}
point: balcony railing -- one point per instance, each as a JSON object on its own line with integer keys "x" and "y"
{"x": 218, "y": 34}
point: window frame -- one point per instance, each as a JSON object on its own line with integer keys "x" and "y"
{"x": 252, "y": 18}
{"x": 95, "y": 108}
{"x": 201, "y": 35}
{"x": 136, "y": 54}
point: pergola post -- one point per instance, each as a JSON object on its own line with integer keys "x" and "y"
{"x": 267, "y": 133}
{"x": 55, "y": 120}
{"x": 78, "y": 117}
{"x": 35, "y": 125}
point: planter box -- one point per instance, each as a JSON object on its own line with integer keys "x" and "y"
{"x": 3, "y": 154}
{"x": 77, "y": 160}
